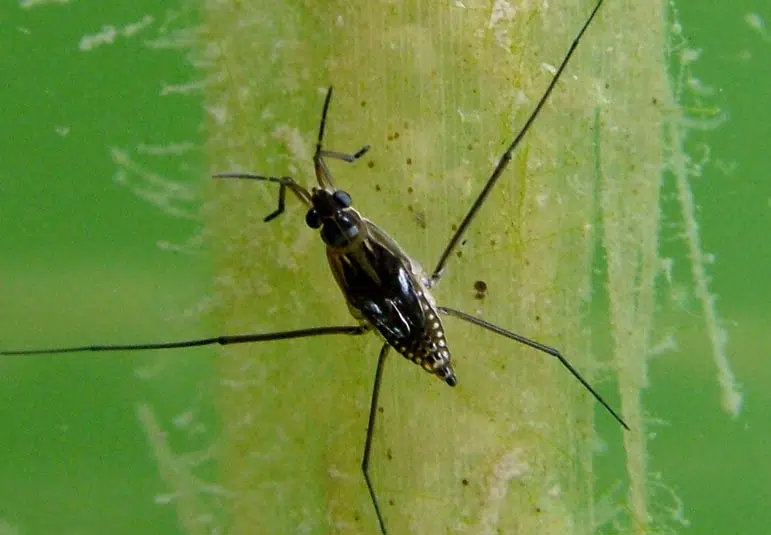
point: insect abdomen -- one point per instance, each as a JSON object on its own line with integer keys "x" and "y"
{"x": 381, "y": 288}
{"x": 430, "y": 350}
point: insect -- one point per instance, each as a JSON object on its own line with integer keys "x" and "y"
{"x": 386, "y": 290}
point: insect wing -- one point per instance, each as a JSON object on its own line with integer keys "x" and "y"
{"x": 381, "y": 287}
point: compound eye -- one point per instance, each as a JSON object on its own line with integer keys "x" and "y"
{"x": 342, "y": 198}
{"x": 313, "y": 219}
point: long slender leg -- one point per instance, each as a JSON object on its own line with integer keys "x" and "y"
{"x": 220, "y": 340}
{"x": 370, "y": 433}
{"x": 536, "y": 345}
{"x": 506, "y": 158}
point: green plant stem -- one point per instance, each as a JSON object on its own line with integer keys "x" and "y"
{"x": 437, "y": 89}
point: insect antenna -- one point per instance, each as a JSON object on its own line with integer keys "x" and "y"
{"x": 285, "y": 181}
{"x": 507, "y": 155}
{"x": 323, "y": 175}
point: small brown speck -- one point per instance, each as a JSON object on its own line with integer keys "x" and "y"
{"x": 454, "y": 227}
{"x": 464, "y": 482}
{"x": 377, "y": 187}
{"x": 480, "y": 287}
{"x": 396, "y": 135}
{"x": 370, "y": 164}
{"x": 420, "y": 217}
{"x": 389, "y": 454}
{"x": 363, "y": 103}
{"x": 409, "y": 161}
{"x": 409, "y": 189}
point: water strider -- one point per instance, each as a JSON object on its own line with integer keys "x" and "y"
{"x": 386, "y": 290}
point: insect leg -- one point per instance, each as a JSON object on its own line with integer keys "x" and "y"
{"x": 281, "y": 202}
{"x": 535, "y": 345}
{"x": 343, "y": 156}
{"x": 285, "y": 182}
{"x": 370, "y": 433}
{"x": 216, "y": 340}
{"x": 322, "y": 172}
{"x": 507, "y": 155}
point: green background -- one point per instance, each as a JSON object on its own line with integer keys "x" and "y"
{"x": 79, "y": 263}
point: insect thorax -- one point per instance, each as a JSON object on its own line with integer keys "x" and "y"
{"x": 385, "y": 289}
